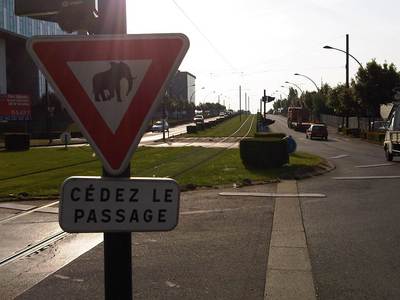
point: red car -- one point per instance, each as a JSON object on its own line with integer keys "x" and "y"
{"x": 317, "y": 130}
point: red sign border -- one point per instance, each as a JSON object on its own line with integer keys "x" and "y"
{"x": 110, "y": 167}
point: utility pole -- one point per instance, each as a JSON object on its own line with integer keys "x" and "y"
{"x": 347, "y": 73}
{"x": 265, "y": 103}
{"x": 117, "y": 245}
{"x": 245, "y": 101}
{"x": 347, "y": 61}
{"x": 240, "y": 103}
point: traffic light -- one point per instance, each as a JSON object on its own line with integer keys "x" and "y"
{"x": 270, "y": 99}
{"x": 71, "y": 15}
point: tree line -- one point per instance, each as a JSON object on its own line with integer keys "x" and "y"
{"x": 372, "y": 86}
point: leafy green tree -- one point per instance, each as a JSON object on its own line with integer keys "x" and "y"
{"x": 374, "y": 85}
{"x": 344, "y": 102}
{"x": 293, "y": 97}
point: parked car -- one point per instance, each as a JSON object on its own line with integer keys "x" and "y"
{"x": 158, "y": 126}
{"x": 317, "y": 130}
{"x": 198, "y": 119}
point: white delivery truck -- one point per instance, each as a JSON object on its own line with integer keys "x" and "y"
{"x": 391, "y": 144}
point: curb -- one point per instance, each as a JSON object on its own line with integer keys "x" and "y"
{"x": 323, "y": 167}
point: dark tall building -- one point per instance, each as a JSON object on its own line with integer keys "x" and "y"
{"x": 18, "y": 74}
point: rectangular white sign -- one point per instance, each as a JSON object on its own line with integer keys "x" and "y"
{"x": 100, "y": 204}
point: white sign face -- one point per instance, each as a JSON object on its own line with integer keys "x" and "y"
{"x": 98, "y": 204}
{"x": 111, "y": 106}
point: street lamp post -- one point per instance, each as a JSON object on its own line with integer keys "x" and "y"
{"x": 347, "y": 64}
{"x": 301, "y": 91}
{"x": 298, "y": 74}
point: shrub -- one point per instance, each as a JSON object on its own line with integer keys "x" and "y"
{"x": 16, "y": 141}
{"x": 376, "y": 136}
{"x": 191, "y": 129}
{"x": 264, "y": 152}
{"x": 199, "y": 127}
{"x": 354, "y": 132}
{"x": 278, "y": 135}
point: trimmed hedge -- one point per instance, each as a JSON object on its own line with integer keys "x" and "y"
{"x": 200, "y": 127}
{"x": 16, "y": 141}
{"x": 264, "y": 152}
{"x": 278, "y": 135}
{"x": 354, "y": 132}
{"x": 191, "y": 129}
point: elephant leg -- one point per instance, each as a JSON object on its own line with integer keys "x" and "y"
{"x": 112, "y": 94}
{"x": 103, "y": 95}
{"x": 97, "y": 97}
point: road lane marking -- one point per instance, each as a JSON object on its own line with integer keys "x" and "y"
{"x": 17, "y": 206}
{"x": 277, "y": 195}
{"x": 366, "y": 177}
{"x": 375, "y": 166}
{"x": 339, "y": 156}
{"x": 49, "y": 210}
{"x": 27, "y": 212}
{"x": 208, "y": 211}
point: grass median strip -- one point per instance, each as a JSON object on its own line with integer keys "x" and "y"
{"x": 40, "y": 172}
{"x": 227, "y": 127}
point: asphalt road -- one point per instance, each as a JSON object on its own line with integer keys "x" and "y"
{"x": 353, "y": 235}
{"x": 219, "y": 250}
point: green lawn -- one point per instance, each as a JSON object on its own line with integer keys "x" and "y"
{"x": 228, "y": 127}
{"x": 40, "y": 172}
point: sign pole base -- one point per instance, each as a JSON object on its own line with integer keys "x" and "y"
{"x": 118, "y": 259}
{"x": 118, "y": 265}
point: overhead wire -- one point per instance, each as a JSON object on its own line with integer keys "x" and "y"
{"x": 203, "y": 35}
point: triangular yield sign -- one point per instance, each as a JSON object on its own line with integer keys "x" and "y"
{"x": 110, "y": 84}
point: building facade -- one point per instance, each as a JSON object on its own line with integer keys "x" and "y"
{"x": 183, "y": 87}
{"x": 18, "y": 74}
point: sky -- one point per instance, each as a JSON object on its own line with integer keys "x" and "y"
{"x": 260, "y": 44}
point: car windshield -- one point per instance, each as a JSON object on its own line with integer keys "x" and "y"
{"x": 183, "y": 149}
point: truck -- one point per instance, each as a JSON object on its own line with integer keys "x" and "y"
{"x": 391, "y": 143}
{"x": 298, "y": 118}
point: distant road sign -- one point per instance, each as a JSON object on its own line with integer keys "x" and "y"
{"x": 110, "y": 85}
{"x": 65, "y": 137}
{"x": 98, "y": 204}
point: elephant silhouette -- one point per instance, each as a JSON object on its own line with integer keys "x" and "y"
{"x": 108, "y": 83}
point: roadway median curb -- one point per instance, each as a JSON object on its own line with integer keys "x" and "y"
{"x": 323, "y": 167}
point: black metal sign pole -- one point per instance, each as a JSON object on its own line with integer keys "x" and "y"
{"x": 118, "y": 245}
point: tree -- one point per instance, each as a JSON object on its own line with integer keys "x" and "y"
{"x": 293, "y": 97}
{"x": 317, "y": 102}
{"x": 343, "y": 101}
{"x": 374, "y": 85}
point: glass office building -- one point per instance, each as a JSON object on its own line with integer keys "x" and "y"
{"x": 14, "y": 63}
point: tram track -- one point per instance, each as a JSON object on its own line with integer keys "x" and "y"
{"x": 53, "y": 238}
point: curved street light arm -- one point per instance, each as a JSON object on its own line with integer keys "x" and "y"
{"x": 308, "y": 79}
{"x": 301, "y": 91}
{"x": 329, "y": 47}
